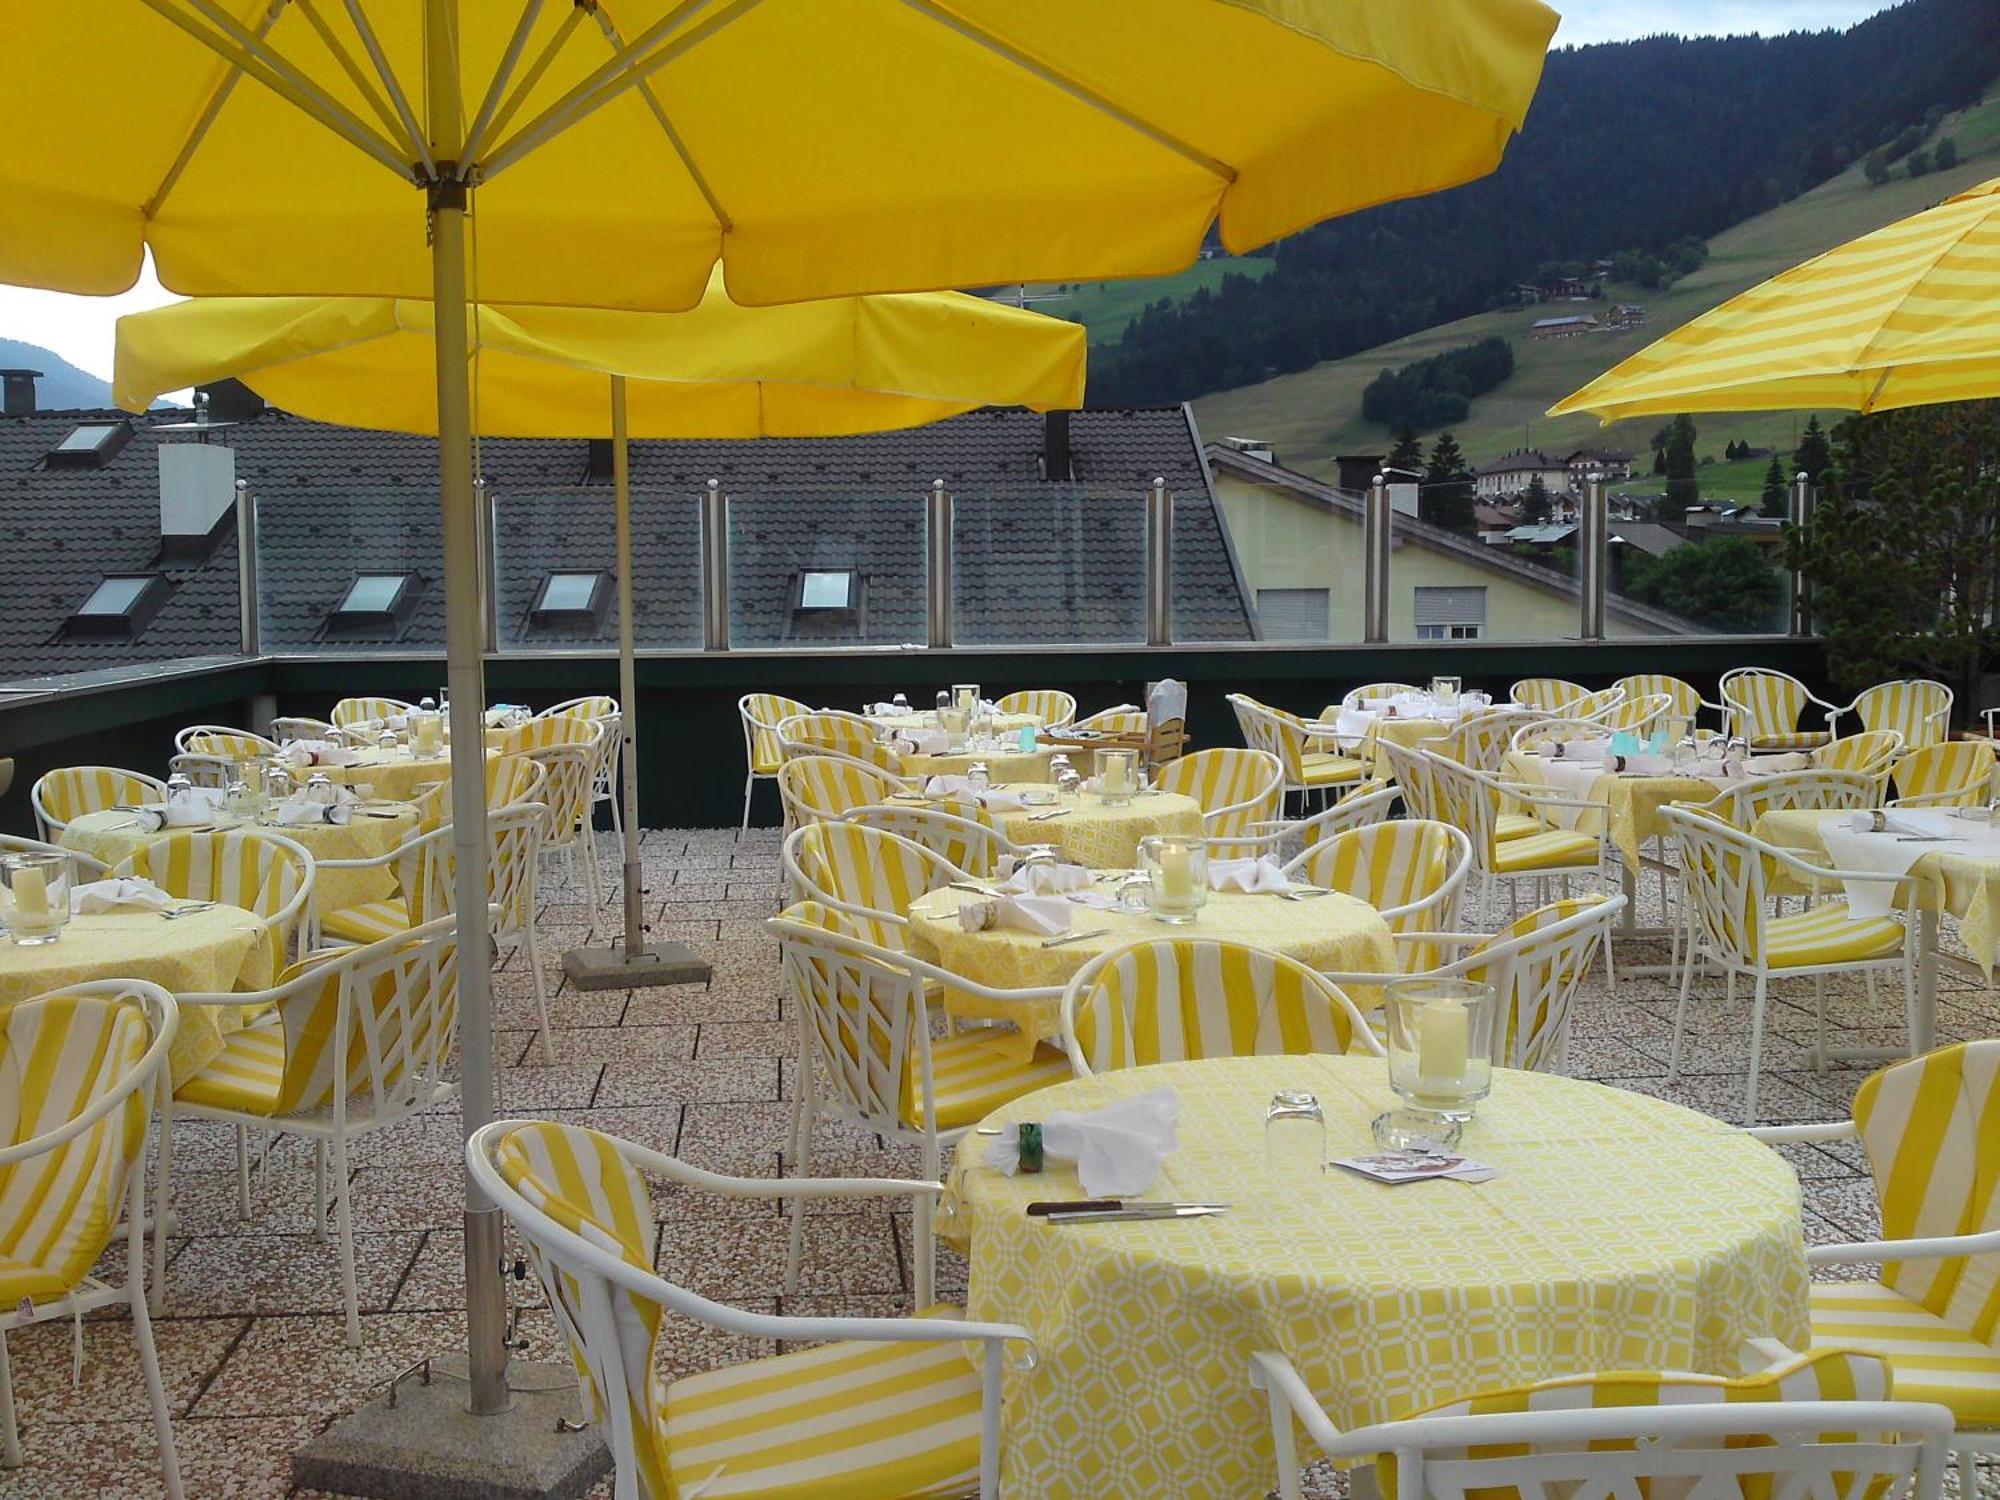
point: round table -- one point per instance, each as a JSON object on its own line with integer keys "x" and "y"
{"x": 1005, "y": 767}
{"x": 926, "y": 720}
{"x": 1364, "y": 730}
{"x": 1621, "y": 1233}
{"x": 1090, "y": 831}
{"x": 109, "y": 837}
{"x": 204, "y": 952}
{"x": 392, "y": 775}
{"x": 1336, "y": 932}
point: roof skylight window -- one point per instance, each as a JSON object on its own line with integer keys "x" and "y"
{"x": 569, "y": 593}
{"x": 89, "y": 446}
{"x": 374, "y": 594}
{"x": 827, "y": 589}
{"x": 119, "y": 606}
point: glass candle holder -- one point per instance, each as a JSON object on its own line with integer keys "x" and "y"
{"x": 1176, "y": 870}
{"x": 1117, "y": 776}
{"x": 34, "y": 886}
{"x": 965, "y": 697}
{"x": 1440, "y": 1044}
{"x": 1445, "y": 690}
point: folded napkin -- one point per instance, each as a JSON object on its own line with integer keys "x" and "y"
{"x": 1045, "y": 880}
{"x": 923, "y": 741}
{"x": 1853, "y": 843}
{"x": 108, "y": 895}
{"x": 303, "y": 753}
{"x": 1647, "y": 763}
{"x": 298, "y": 810}
{"x": 1585, "y": 752}
{"x": 1773, "y": 765}
{"x": 1259, "y": 874}
{"x": 1044, "y": 916}
{"x": 959, "y": 789}
{"x": 1118, "y": 1150}
{"x": 884, "y": 711}
{"x": 1352, "y": 724}
{"x": 194, "y": 808}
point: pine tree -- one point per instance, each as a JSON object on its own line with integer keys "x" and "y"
{"x": 1446, "y": 497}
{"x": 1682, "y": 490}
{"x": 1814, "y": 451}
{"x": 1535, "y": 503}
{"x": 1773, "y": 500}
{"x": 1408, "y": 454}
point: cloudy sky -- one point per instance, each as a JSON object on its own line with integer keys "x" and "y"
{"x": 80, "y": 328}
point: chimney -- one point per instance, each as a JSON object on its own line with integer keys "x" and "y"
{"x": 197, "y": 491}
{"x": 230, "y": 401}
{"x": 1056, "y": 465}
{"x": 1356, "y": 471}
{"x": 19, "y": 387}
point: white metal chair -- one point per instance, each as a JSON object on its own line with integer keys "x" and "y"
{"x": 1684, "y": 704}
{"x": 221, "y": 740}
{"x": 1359, "y": 697}
{"x": 571, "y": 773}
{"x": 358, "y": 1041}
{"x": 887, "y": 1407}
{"x": 1055, "y": 708}
{"x": 864, "y": 871}
{"x": 867, "y": 1056}
{"x": 1927, "y": 1125}
{"x": 1638, "y": 716}
{"x": 1794, "y": 1430}
{"x": 841, "y": 735}
{"x": 71, "y": 791}
{"x": 1593, "y": 705}
{"x": 1236, "y": 790}
{"x": 1182, "y": 999}
{"x": 1872, "y": 753}
{"x": 1124, "y": 719}
{"x": 299, "y": 727}
{"x": 1476, "y": 802}
{"x": 1362, "y": 805}
{"x": 212, "y": 771}
{"x": 1412, "y": 871}
{"x": 351, "y": 712}
{"x": 1917, "y": 708}
{"x": 82, "y": 865}
{"x": 1726, "y": 882}
{"x": 1767, "y": 707}
{"x": 761, "y": 714}
{"x": 1951, "y": 773}
{"x": 1740, "y": 806}
{"x": 1481, "y": 740}
{"x": 590, "y": 706}
{"x": 961, "y": 833}
{"x": 1291, "y": 740}
{"x": 255, "y": 868}
{"x": 1548, "y": 695}
{"x": 86, "y": 1069}
{"x": 817, "y": 787}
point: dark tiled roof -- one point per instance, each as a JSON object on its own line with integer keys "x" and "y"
{"x": 334, "y": 501}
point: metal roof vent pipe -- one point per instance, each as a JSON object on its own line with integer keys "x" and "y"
{"x": 1057, "y": 467}
{"x": 17, "y": 392}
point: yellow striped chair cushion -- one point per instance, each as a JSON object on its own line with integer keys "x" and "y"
{"x": 1116, "y": 721}
{"x": 1957, "y": 773}
{"x": 1171, "y": 1000}
{"x": 71, "y": 791}
{"x": 540, "y": 734}
{"x": 601, "y": 706}
{"x": 1829, "y": 934}
{"x": 240, "y": 867}
{"x": 1793, "y": 740}
{"x": 821, "y": 787}
{"x": 1916, "y": 708}
{"x": 229, "y": 746}
{"x": 1324, "y": 768}
{"x": 368, "y": 923}
{"x": 1551, "y": 849}
{"x": 1768, "y": 706}
{"x": 869, "y": 867}
{"x": 1514, "y": 826}
{"x": 973, "y": 1074}
{"x": 1537, "y": 982}
{"x": 1821, "y": 1375}
{"x": 834, "y": 734}
{"x": 1051, "y": 705}
{"x": 762, "y": 714}
{"x": 1548, "y": 694}
{"x": 1250, "y": 782}
{"x": 1684, "y": 702}
{"x": 246, "y": 1076}
{"x": 1386, "y": 865}
{"x": 58, "y": 1208}
{"x": 1932, "y": 1360}
{"x": 350, "y": 711}
{"x": 1866, "y": 753}
{"x": 1929, "y": 1126}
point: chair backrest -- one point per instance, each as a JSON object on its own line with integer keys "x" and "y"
{"x": 84, "y": 867}
{"x": 297, "y": 727}
{"x": 203, "y": 770}
{"x": 817, "y": 787}
{"x": 351, "y": 711}
{"x": 1683, "y": 702}
{"x": 1763, "y": 704}
{"x": 1533, "y": 734}
{"x": 571, "y": 775}
{"x": 1954, "y": 773}
{"x": 1915, "y": 707}
{"x": 591, "y": 706}
{"x": 1468, "y": 800}
{"x": 1235, "y": 788}
{"x": 1536, "y": 964}
{"x": 862, "y": 869}
{"x": 79, "y": 1070}
{"x": 69, "y": 792}
{"x": 1870, "y": 753}
{"x": 220, "y": 740}
{"x": 1641, "y": 716}
{"x": 1052, "y": 706}
{"x": 424, "y": 867}
{"x": 1593, "y": 705}
{"x": 1180, "y": 999}
{"x": 1725, "y": 882}
{"x": 1547, "y": 695}
{"x": 1275, "y": 732}
{"x": 1818, "y": 1424}
{"x": 960, "y": 833}
{"x": 1355, "y": 697}
{"x": 1121, "y": 720}
{"x": 561, "y": 729}
{"x": 1362, "y": 805}
{"x": 372, "y": 1025}
{"x": 827, "y": 734}
{"x": 509, "y": 779}
{"x": 1481, "y": 740}
{"x": 1412, "y": 871}
{"x": 1742, "y": 805}
{"x": 1929, "y": 1125}
{"x": 1411, "y": 769}
{"x": 761, "y": 714}
{"x": 254, "y": 868}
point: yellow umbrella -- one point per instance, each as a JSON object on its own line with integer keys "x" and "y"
{"x": 808, "y": 369}
{"x": 1905, "y": 316}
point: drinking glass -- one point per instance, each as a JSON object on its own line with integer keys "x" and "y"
{"x": 1294, "y": 1137}
{"x": 35, "y": 884}
{"x": 900, "y": 704}
{"x": 978, "y": 776}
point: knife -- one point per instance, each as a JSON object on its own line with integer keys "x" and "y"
{"x": 1138, "y": 1212}
{"x": 1048, "y": 1206}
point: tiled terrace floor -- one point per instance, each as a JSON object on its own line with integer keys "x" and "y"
{"x": 251, "y": 1341}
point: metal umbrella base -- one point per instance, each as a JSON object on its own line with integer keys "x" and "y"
{"x": 613, "y": 968}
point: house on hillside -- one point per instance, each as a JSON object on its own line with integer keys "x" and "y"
{"x": 1513, "y": 474}
{"x": 125, "y": 535}
{"x": 1298, "y": 543}
{"x": 1612, "y": 463}
{"x": 1564, "y": 327}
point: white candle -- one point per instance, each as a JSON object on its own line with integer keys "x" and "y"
{"x": 31, "y": 893}
{"x": 1114, "y": 774}
{"x": 1176, "y": 874}
{"x": 1443, "y": 1037}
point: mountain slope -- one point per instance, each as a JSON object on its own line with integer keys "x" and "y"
{"x": 1315, "y": 414}
{"x": 62, "y": 385}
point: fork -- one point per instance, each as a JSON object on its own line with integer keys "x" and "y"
{"x": 1304, "y": 892}
{"x": 1074, "y": 937}
{"x": 187, "y": 911}
{"x": 1043, "y": 817}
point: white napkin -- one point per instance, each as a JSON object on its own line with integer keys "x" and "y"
{"x": 303, "y": 753}
{"x": 1646, "y": 763}
{"x": 1259, "y": 874}
{"x": 1353, "y": 724}
{"x": 1118, "y": 1150}
{"x": 126, "y": 890}
{"x": 1044, "y": 916}
{"x": 959, "y": 789}
{"x": 1584, "y": 752}
{"x": 1852, "y": 844}
{"x": 194, "y": 807}
{"x": 1773, "y": 765}
{"x": 296, "y": 810}
{"x": 923, "y": 741}
{"x": 1044, "y": 880}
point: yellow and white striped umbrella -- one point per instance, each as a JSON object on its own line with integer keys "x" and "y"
{"x": 1906, "y": 316}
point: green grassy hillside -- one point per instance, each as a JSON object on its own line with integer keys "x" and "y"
{"x": 1105, "y": 307}
{"x": 1311, "y": 416}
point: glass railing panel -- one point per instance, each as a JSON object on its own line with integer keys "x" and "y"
{"x": 555, "y": 569}
{"x": 840, "y": 568}
{"x": 1048, "y": 565}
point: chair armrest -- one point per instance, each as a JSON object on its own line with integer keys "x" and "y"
{"x": 1943, "y": 1247}
{"x": 1760, "y": 1354}
{"x": 1522, "y": 791}
{"x": 1274, "y": 1375}
{"x": 1804, "y": 1135}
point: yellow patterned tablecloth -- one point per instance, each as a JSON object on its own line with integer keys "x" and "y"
{"x": 1632, "y": 803}
{"x": 1407, "y": 732}
{"x": 1335, "y": 932}
{"x": 927, "y": 720}
{"x": 1103, "y": 837}
{"x": 1622, "y": 1233}
{"x": 1003, "y": 766}
{"x": 110, "y": 836}
{"x": 208, "y": 952}
{"x": 1964, "y": 885}
{"x": 394, "y": 775}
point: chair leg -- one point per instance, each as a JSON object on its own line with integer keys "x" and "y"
{"x": 344, "y": 1217}
{"x": 1680, "y": 1018}
{"x": 319, "y": 1191}
{"x": 242, "y": 1171}
{"x": 805, "y": 1109}
{"x": 749, "y": 786}
{"x": 923, "y": 1231}
{"x": 163, "y": 1188}
{"x": 533, "y": 948}
{"x": 10, "y": 1433}
{"x": 1819, "y": 1018}
{"x": 1968, "y": 1474}
{"x": 1756, "y": 1049}
{"x": 156, "y": 1390}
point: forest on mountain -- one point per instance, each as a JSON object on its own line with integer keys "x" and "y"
{"x": 1628, "y": 148}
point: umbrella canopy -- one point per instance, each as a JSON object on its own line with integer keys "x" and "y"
{"x": 1906, "y": 316}
{"x": 819, "y": 147}
{"x": 810, "y": 369}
